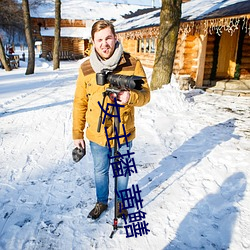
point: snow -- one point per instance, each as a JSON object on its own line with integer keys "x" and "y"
{"x": 192, "y": 10}
{"x": 86, "y": 10}
{"x": 197, "y": 9}
{"x": 155, "y": 3}
{"x": 192, "y": 154}
{"x": 145, "y": 20}
{"x": 84, "y": 33}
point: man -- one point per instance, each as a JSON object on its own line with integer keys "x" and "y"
{"x": 107, "y": 54}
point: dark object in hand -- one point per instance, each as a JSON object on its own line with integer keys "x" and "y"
{"x": 78, "y": 153}
{"x": 119, "y": 81}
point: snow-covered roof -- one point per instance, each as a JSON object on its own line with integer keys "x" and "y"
{"x": 205, "y": 9}
{"x": 79, "y": 32}
{"x": 85, "y": 10}
{"x": 191, "y": 11}
{"x": 144, "y": 20}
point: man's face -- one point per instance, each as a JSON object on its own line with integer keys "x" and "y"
{"x": 104, "y": 42}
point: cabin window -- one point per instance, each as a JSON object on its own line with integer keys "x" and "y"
{"x": 146, "y": 45}
{"x": 152, "y": 45}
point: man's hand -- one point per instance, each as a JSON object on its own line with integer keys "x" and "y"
{"x": 79, "y": 143}
{"x": 79, "y": 151}
{"x": 123, "y": 97}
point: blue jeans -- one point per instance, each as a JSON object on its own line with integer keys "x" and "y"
{"x": 101, "y": 170}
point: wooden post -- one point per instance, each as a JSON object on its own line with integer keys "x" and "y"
{"x": 201, "y": 60}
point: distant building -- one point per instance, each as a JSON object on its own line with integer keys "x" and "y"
{"x": 75, "y": 36}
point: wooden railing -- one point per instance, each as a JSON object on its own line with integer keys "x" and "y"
{"x": 63, "y": 55}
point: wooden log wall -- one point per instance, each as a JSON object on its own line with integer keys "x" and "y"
{"x": 186, "y": 55}
{"x": 190, "y": 56}
{"x": 73, "y": 45}
{"x": 50, "y": 22}
{"x": 66, "y": 44}
{"x": 79, "y": 46}
{"x": 178, "y": 61}
{"x": 146, "y": 59}
{"x": 47, "y": 45}
{"x": 131, "y": 46}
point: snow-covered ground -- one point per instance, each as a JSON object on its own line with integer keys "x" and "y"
{"x": 192, "y": 154}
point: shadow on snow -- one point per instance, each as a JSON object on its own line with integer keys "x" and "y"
{"x": 22, "y": 110}
{"x": 190, "y": 153}
{"x": 209, "y": 225}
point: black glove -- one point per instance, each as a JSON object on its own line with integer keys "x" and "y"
{"x": 78, "y": 153}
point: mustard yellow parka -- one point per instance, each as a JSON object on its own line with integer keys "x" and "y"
{"x": 86, "y": 110}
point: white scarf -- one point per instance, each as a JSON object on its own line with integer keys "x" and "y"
{"x": 98, "y": 64}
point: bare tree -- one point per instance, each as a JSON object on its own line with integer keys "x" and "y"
{"x": 11, "y": 16}
{"x": 11, "y": 24}
{"x": 168, "y": 34}
{"x": 3, "y": 57}
{"x": 28, "y": 33}
{"x": 56, "y": 59}
{"x": 36, "y": 3}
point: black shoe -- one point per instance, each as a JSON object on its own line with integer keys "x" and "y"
{"x": 97, "y": 210}
{"x": 120, "y": 210}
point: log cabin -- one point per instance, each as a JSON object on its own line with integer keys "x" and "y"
{"x": 74, "y": 37}
{"x": 213, "y": 41}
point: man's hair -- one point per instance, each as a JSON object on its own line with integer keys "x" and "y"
{"x": 101, "y": 24}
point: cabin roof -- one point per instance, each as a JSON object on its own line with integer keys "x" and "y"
{"x": 140, "y": 21}
{"x": 84, "y": 10}
{"x": 77, "y": 32}
{"x": 193, "y": 10}
{"x": 208, "y": 9}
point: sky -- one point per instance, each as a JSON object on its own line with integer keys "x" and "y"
{"x": 192, "y": 152}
